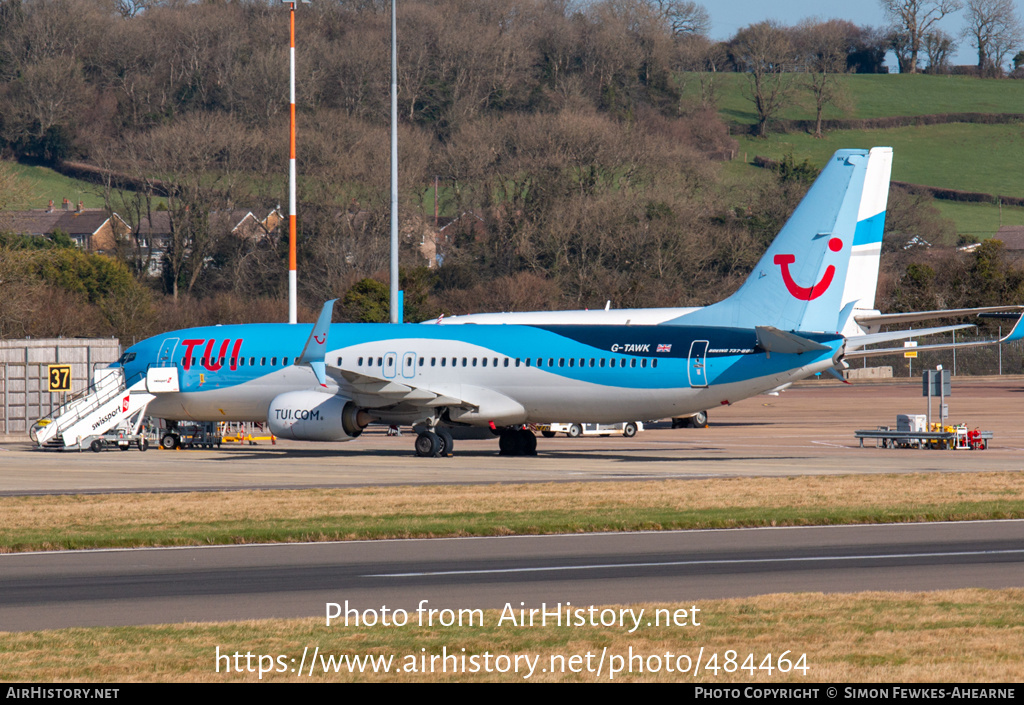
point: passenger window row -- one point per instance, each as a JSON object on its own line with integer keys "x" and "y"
{"x": 240, "y": 362}
{"x": 457, "y": 361}
{"x": 620, "y": 362}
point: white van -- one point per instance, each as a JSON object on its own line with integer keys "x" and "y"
{"x": 575, "y": 430}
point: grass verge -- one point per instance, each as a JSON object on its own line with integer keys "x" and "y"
{"x": 205, "y": 518}
{"x": 951, "y": 636}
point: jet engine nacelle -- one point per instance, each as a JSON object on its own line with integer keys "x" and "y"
{"x": 312, "y": 416}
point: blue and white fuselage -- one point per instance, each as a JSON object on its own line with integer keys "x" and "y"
{"x": 479, "y": 375}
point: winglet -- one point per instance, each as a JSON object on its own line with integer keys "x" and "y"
{"x": 1016, "y": 334}
{"x": 316, "y": 347}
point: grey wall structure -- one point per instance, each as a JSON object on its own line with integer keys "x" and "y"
{"x": 24, "y": 376}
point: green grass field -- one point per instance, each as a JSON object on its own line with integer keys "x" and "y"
{"x": 968, "y": 157}
{"x": 873, "y": 96}
{"x": 980, "y": 219}
{"x": 46, "y": 184}
{"x": 984, "y": 158}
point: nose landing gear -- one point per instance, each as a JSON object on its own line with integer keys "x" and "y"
{"x": 437, "y": 443}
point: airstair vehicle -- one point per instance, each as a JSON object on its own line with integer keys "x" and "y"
{"x": 106, "y": 405}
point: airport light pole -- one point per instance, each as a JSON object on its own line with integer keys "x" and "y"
{"x": 396, "y": 313}
{"x": 293, "y": 308}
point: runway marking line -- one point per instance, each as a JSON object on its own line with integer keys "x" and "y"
{"x": 736, "y": 561}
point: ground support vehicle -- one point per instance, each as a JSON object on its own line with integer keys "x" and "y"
{"x": 952, "y": 438}
{"x": 575, "y": 430}
{"x": 698, "y": 420}
{"x": 123, "y": 439}
{"x": 191, "y": 434}
{"x": 244, "y": 433}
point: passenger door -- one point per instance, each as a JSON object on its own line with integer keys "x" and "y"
{"x": 166, "y": 354}
{"x": 390, "y": 365}
{"x": 697, "y": 368}
{"x": 409, "y": 365}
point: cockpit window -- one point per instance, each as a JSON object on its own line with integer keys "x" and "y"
{"x": 126, "y": 358}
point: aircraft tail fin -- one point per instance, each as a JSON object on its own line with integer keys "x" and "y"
{"x": 801, "y": 281}
{"x": 862, "y": 276}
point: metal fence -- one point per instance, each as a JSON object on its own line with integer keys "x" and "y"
{"x": 1002, "y": 359}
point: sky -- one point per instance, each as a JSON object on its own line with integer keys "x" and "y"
{"x": 728, "y": 16}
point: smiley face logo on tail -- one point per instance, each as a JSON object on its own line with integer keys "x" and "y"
{"x": 805, "y": 293}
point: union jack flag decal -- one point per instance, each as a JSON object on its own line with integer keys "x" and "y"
{"x": 664, "y": 348}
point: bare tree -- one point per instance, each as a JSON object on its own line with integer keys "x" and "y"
{"x": 696, "y": 55}
{"x": 994, "y": 29}
{"x": 199, "y": 157}
{"x": 133, "y": 206}
{"x": 912, "y": 21}
{"x": 822, "y": 49}
{"x": 766, "y": 54}
{"x": 938, "y": 46}
{"x": 683, "y": 16}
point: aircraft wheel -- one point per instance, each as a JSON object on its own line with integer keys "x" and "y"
{"x": 144, "y": 445}
{"x": 511, "y": 442}
{"x": 169, "y": 442}
{"x": 548, "y": 434}
{"x": 428, "y": 445}
{"x": 699, "y": 420}
{"x": 527, "y": 442}
{"x": 630, "y": 430}
{"x": 681, "y": 423}
{"x": 124, "y": 447}
{"x": 96, "y": 446}
{"x": 506, "y": 443}
{"x": 447, "y": 442}
{"x": 575, "y": 431}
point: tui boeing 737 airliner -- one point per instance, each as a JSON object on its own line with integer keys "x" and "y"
{"x": 327, "y": 382}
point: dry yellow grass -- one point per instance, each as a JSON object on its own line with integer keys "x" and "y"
{"x": 154, "y": 510}
{"x": 77, "y": 521}
{"x": 947, "y": 636}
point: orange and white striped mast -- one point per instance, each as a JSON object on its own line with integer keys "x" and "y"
{"x": 293, "y": 309}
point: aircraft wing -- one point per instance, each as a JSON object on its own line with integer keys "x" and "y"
{"x": 876, "y": 319}
{"x": 855, "y": 344}
{"x": 392, "y": 398}
{"x": 376, "y": 392}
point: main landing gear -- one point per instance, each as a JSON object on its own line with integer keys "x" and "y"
{"x": 517, "y": 441}
{"x": 434, "y": 444}
{"x": 436, "y": 441}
